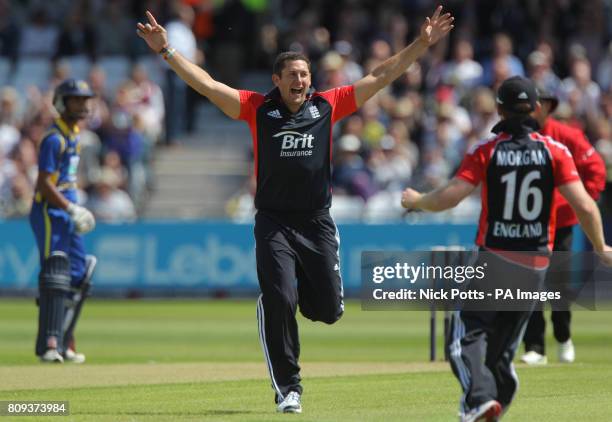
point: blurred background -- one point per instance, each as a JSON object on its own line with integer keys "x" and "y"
{"x": 169, "y": 177}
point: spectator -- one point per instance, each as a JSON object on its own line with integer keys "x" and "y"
{"x": 501, "y": 57}
{"x": 180, "y": 36}
{"x": 126, "y": 139}
{"x": 122, "y": 138}
{"x": 435, "y": 65}
{"x": 39, "y": 36}
{"x": 113, "y": 30}
{"x": 447, "y": 99}
{"x": 10, "y": 113}
{"x": 99, "y": 114}
{"x": 140, "y": 173}
{"x": 60, "y": 71}
{"x": 500, "y": 71}
{"x": 380, "y": 50}
{"x": 234, "y": 44}
{"x": 435, "y": 169}
{"x": 111, "y": 160}
{"x": 449, "y": 136}
{"x": 606, "y": 105}
{"x": 147, "y": 101}
{"x": 9, "y": 138}
{"x": 26, "y": 161}
{"x": 351, "y": 175}
{"x": 109, "y": 203}
{"x": 350, "y": 67}
{"x": 410, "y": 84}
{"x": 353, "y": 125}
{"x": 580, "y": 90}
{"x": 77, "y": 37}
{"x": 484, "y": 114}
{"x": 398, "y": 31}
{"x": 7, "y": 172}
{"x": 541, "y": 73}
{"x": 398, "y": 129}
{"x": 604, "y": 70}
{"x": 91, "y": 149}
{"x": 374, "y": 120}
{"x": 390, "y": 164}
{"x": 20, "y": 199}
{"x": 9, "y": 32}
{"x": 463, "y": 72}
{"x": 332, "y": 71}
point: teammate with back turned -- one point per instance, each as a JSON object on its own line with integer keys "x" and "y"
{"x": 296, "y": 238}
{"x": 58, "y": 223}
{"x": 519, "y": 170}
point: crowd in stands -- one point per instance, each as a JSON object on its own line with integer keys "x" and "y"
{"x": 417, "y": 131}
{"x": 414, "y": 133}
{"x": 116, "y": 142}
{"x": 125, "y": 122}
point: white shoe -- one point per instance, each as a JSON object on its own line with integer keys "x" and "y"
{"x": 486, "y": 412}
{"x": 566, "y": 351}
{"x": 74, "y": 357}
{"x": 291, "y": 404}
{"x": 52, "y": 356}
{"x": 534, "y": 358}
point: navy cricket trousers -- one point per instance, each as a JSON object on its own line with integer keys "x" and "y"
{"x": 297, "y": 266}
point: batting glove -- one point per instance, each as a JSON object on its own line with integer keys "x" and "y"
{"x": 83, "y": 219}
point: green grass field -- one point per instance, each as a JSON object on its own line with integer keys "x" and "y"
{"x": 201, "y": 360}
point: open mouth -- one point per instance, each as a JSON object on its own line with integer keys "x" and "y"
{"x": 297, "y": 91}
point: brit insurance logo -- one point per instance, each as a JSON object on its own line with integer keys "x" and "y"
{"x": 295, "y": 144}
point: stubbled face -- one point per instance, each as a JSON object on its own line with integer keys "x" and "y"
{"x": 77, "y": 108}
{"x": 293, "y": 83}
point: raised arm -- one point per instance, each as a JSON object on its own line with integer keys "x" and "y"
{"x": 432, "y": 30}
{"x": 221, "y": 95}
{"x": 440, "y": 199}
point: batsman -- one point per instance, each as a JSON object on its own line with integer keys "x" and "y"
{"x": 58, "y": 223}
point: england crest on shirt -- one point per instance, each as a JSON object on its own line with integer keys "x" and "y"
{"x": 314, "y": 112}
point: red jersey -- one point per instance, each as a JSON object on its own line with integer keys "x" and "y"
{"x": 293, "y": 150}
{"x": 519, "y": 170}
{"x": 589, "y": 164}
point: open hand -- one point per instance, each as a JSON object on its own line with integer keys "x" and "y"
{"x": 153, "y": 33}
{"x": 436, "y": 27}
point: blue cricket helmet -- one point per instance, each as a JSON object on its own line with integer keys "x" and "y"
{"x": 70, "y": 88}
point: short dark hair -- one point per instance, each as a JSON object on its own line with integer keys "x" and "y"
{"x": 288, "y": 56}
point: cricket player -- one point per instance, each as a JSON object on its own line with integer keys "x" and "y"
{"x": 592, "y": 172}
{"x": 296, "y": 239}
{"x": 515, "y": 193}
{"x": 58, "y": 223}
